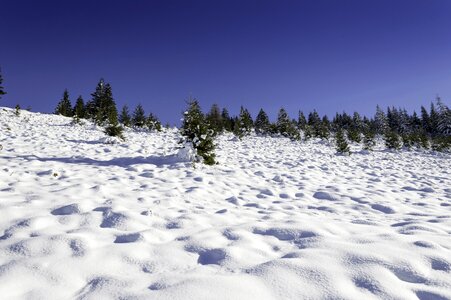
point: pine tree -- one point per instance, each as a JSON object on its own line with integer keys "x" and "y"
{"x": 392, "y": 140}
{"x": 214, "y": 119}
{"x": 244, "y": 124}
{"x": 283, "y": 122}
{"x": 79, "y": 108}
{"x": 341, "y": 144}
{"x": 64, "y": 107}
{"x": 2, "y": 90}
{"x": 153, "y": 123}
{"x": 302, "y": 121}
{"x": 227, "y": 120}
{"x": 425, "y": 120}
{"x": 433, "y": 120}
{"x": 380, "y": 121}
{"x": 444, "y": 119}
{"x": 110, "y": 111}
{"x": 262, "y": 124}
{"x": 368, "y": 140}
{"x": 139, "y": 116}
{"x": 195, "y": 131}
{"x": 125, "y": 118}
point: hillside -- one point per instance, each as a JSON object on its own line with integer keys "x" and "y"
{"x": 275, "y": 219}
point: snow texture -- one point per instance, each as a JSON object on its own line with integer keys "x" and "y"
{"x": 275, "y": 219}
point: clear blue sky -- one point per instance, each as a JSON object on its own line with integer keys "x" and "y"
{"x": 329, "y": 55}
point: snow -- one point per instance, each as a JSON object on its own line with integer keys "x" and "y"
{"x": 275, "y": 219}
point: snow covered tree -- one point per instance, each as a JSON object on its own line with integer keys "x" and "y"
{"x": 139, "y": 116}
{"x": 124, "y": 117}
{"x": 302, "y": 121}
{"x": 79, "y": 108}
{"x": 392, "y": 140}
{"x": 64, "y": 107}
{"x": 262, "y": 124}
{"x": 197, "y": 133}
{"x": 433, "y": 121}
{"x": 368, "y": 140}
{"x": 380, "y": 121}
{"x": 444, "y": 119}
{"x": 283, "y": 122}
{"x": 214, "y": 119}
{"x": 153, "y": 123}
{"x": 341, "y": 144}
{"x": 244, "y": 124}
{"x": 2, "y": 90}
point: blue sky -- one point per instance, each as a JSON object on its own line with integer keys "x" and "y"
{"x": 325, "y": 55}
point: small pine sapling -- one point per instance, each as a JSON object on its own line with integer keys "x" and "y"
{"x": 17, "y": 110}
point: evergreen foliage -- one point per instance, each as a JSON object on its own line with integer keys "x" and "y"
{"x": 153, "y": 123}
{"x": 392, "y": 140}
{"x": 341, "y": 144}
{"x": 380, "y": 121}
{"x": 444, "y": 119}
{"x": 302, "y": 121}
{"x": 243, "y": 126}
{"x": 79, "y": 108}
{"x": 64, "y": 107}
{"x": 196, "y": 131}
{"x": 368, "y": 140}
{"x": 226, "y": 120}
{"x": 2, "y": 89}
{"x": 214, "y": 119}
{"x": 139, "y": 116}
{"x": 115, "y": 130}
{"x": 124, "y": 117}
{"x": 102, "y": 107}
{"x": 262, "y": 124}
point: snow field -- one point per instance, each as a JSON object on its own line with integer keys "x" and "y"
{"x": 275, "y": 219}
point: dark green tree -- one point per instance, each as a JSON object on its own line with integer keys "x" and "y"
{"x": 197, "y": 133}
{"x": 153, "y": 123}
{"x": 227, "y": 120}
{"x": 214, "y": 119}
{"x": 302, "y": 121}
{"x": 283, "y": 122}
{"x": 124, "y": 117}
{"x": 262, "y": 124}
{"x": 79, "y": 108}
{"x": 368, "y": 140}
{"x": 139, "y": 116}
{"x": 2, "y": 89}
{"x": 64, "y": 107}
{"x": 244, "y": 124}
{"x": 380, "y": 121}
{"x": 341, "y": 144}
{"x": 392, "y": 140}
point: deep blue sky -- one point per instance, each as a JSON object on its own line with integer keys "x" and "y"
{"x": 329, "y": 55}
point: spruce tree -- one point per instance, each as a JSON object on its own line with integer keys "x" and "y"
{"x": 380, "y": 121}
{"x": 79, "y": 108}
{"x": 214, "y": 119}
{"x": 262, "y": 124}
{"x": 139, "y": 117}
{"x": 302, "y": 121}
{"x": 341, "y": 144}
{"x": 2, "y": 90}
{"x": 196, "y": 132}
{"x": 444, "y": 119}
{"x": 283, "y": 122}
{"x": 244, "y": 124}
{"x": 368, "y": 140}
{"x": 124, "y": 117}
{"x": 392, "y": 140}
{"x": 227, "y": 120}
{"x": 109, "y": 110}
{"x": 153, "y": 123}
{"x": 64, "y": 107}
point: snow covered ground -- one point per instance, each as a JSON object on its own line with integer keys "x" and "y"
{"x": 274, "y": 220}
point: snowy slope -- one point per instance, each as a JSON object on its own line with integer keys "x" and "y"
{"x": 274, "y": 220}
